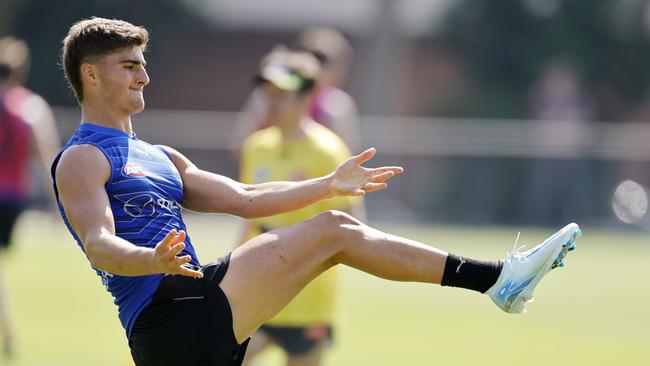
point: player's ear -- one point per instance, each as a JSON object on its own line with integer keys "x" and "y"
{"x": 89, "y": 73}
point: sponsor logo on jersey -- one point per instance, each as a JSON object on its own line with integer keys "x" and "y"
{"x": 105, "y": 276}
{"x": 168, "y": 204}
{"x": 140, "y": 206}
{"x": 145, "y": 205}
{"x": 133, "y": 170}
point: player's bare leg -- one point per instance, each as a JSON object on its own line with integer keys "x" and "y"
{"x": 259, "y": 342}
{"x": 268, "y": 271}
{"x": 311, "y": 358}
{"x": 6, "y": 330}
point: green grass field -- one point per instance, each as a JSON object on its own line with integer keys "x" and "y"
{"x": 595, "y": 311}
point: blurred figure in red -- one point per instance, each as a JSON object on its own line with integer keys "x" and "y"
{"x": 26, "y": 128}
{"x": 330, "y": 106}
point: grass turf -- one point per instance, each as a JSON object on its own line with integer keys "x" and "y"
{"x": 593, "y": 311}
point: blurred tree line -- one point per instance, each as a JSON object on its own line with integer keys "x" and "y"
{"x": 504, "y": 46}
{"x": 44, "y": 24}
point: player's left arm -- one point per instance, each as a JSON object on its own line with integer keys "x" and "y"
{"x": 209, "y": 192}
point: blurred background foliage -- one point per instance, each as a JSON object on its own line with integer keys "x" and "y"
{"x": 479, "y": 62}
{"x": 505, "y": 45}
{"x": 501, "y": 47}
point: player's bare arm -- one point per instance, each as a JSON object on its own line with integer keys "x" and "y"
{"x": 81, "y": 175}
{"x": 208, "y": 192}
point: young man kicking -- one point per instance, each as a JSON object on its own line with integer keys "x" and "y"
{"x": 121, "y": 199}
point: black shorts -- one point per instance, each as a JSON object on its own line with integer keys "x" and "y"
{"x": 188, "y": 323}
{"x": 298, "y": 340}
{"x": 9, "y": 213}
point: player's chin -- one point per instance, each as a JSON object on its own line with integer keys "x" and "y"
{"x": 137, "y": 105}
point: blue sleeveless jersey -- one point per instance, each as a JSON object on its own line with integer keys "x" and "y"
{"x": 145, "y": 193}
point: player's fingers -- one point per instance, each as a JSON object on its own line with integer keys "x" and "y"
{"x": 371, "y": 187}
{"x": 184, "y": 271}
{"x": 167, "y": 240}
{"x": 382, "y": 177}
{"x": 394, "y": 169}
{"x": 179, "y": 261}
{"x": 170, "y": 236}
{"x": 175, "y": 250}
{"x": 179, "y": 238}
{"x": 365, "y": 156}
{"x": 358, "y": 192}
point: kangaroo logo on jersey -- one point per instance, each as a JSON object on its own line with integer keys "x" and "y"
{"x": 133, "y": 170}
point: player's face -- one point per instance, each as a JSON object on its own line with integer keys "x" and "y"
{"x": 123, "y": 78}
{"x": 283, "y": 106}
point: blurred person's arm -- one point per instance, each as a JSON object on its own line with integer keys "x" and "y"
{"x": 359, "y": 211}
{"x": 209, "y": 192}
{"x": 343, "y": 117}
{"x": 46, "y": 142}
{"x": 247, "y": 121}
{"x": 248, "y": 232}
{"x": 81, "y": 174}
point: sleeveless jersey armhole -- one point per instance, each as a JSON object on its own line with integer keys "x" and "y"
{"x": 55, "y": 163}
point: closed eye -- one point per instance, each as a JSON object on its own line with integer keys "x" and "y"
{"x": 130, "y": 64}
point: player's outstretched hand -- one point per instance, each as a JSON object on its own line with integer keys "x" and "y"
{"x": 352, "y": 179}
{"x": 166, "y": 259}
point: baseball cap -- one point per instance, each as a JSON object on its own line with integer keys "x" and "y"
{"x": 282, "y": 76}
{"x": 288, "y": 70}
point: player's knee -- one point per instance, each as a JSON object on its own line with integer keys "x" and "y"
{"x": 336, "y": 219}
{"x": 338, "y": 227}
{"x": 333, "y": 229}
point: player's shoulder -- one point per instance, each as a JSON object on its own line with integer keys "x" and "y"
{"x": 34, "y": 108}
{"x": 337, "y": 102}
{"x": 83, "y": 159}
{"x": 325, "y": 140}
{"x": 264, "y": 138}
{"x": 16, "y": 94}
{"x": 82, "y": 153}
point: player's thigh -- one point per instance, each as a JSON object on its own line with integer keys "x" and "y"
{"x": 266, "y": 272}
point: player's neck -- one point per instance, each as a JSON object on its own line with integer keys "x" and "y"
{"x": 104, "y": 116}
{"x": 297, "y": 130}
{"x": 9, "y": 83}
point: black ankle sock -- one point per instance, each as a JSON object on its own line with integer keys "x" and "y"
{"x": 470, "y": 274}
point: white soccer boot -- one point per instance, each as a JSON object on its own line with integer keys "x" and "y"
{"x": 522, "y": 271}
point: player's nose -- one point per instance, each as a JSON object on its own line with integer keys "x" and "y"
{"x": 143, "y": 78}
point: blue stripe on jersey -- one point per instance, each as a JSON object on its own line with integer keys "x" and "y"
{"x": 145, "y": 191}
